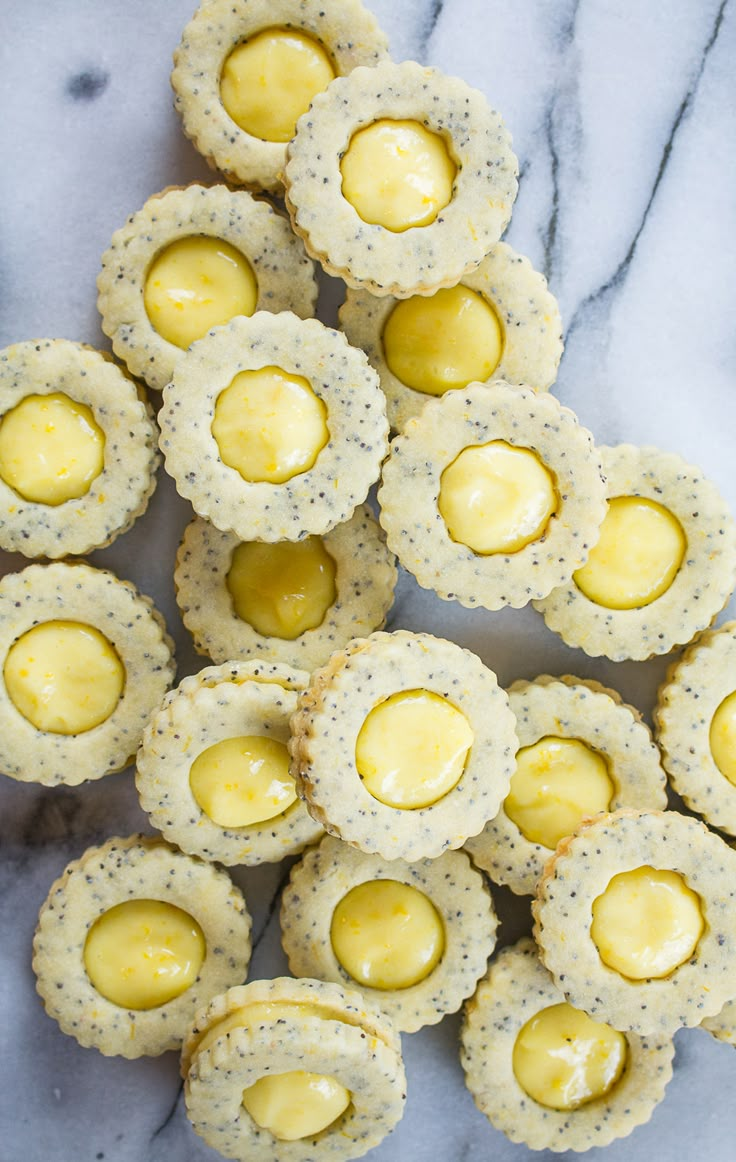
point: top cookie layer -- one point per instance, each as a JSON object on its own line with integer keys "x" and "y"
{"x": 581, "y": 871}
{"x": 312, "y": 501}
{"x": 333, "y": 711}
{"x": 469, "y": 420}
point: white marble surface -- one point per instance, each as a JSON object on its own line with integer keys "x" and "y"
{"x": 623, "y": 119}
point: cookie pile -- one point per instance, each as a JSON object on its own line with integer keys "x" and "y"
{"x": 393, "y": 763}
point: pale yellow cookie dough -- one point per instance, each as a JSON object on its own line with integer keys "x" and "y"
{"x": 136, "y": 965}
{"x": 347, "y": 444}
{"x": 452, "y": 757}
{"x": 517, "y": 989}
{"x": 694, "y": 720}
{"x": 438, "y": 526}
{"x": 363, "y": 579}
{"x": 700, "y": 586}
{"x": 575, "y": 894}
{"x": 239, "y": 91}
{"x": 448, "y": 952}
{"x": 233, "y": 815}
{"x": 556, "y": 794}
{"x": 78, "y": 449}
{"x": 435, "y": 341}
{"x": 155, "y": 263}
{"x": 723, "y": 1025}
{"x": 76, "y": 711}
{"x": 281, "y": 1030}
{"x": 391, "y": 259}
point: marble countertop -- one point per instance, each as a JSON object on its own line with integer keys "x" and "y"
{"x": 623, "y": 120}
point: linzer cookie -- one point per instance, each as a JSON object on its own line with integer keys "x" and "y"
{"x": 492, "y": 496}
{"x": 582, "y": 751}
{"x": 412, "y": 937}
{"x": 500, "y": 322}
{"x": 85, "y": 659}
{"x": 403, "y": 745}
{"x": 635, "y": 918}
{"x": 213, "y": 768}
{"x": 400, "y": 179}
{"x": 545, "y": 1073}
{"x": 663, "y": 568}
{"x": 292, "y": 1070}
{"x": 274, "y": 427}
{"x": 245, "y": 72}
{"x": 191, "y": 259}
{"x": 696, "y": 726}
{"x": 78, "y": 449}
{"x": 292, "y": 601}
{"x": 133, "y": 938}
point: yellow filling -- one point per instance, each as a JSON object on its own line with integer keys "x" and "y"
{"x": 197, "y": 283}
{"x": 269, "y": 81}
{"x": 496, "y": 498}
{"x": 51, "y": 449}
{"x": 282, "y": 589}
{"x": 242, "y": 781}
{"x": 297, "y": 1104}
{"x": 723, "y": 737}
{"x": 563, "y": 1059}
{"x": 557, "y": 782}
{"x": 637, "y": 557}
{"x": 397, "y": 174}
{"x": 443, "y": 342}
{"x": 387, "y": 935}
{"x": 144, "y": 953}
{"x": 646, "y": 923}
{"x": 269, "y": 425}
{"x": 412, "y": 749}
{"x": 64, "y": 677}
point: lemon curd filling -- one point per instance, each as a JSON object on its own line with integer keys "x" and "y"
{"x": 496, "y": 498}
{"x": 143, "y": 953}
{"x": 646, "y": 923}
{"x": 51, "y": 449}
{"x": 557, "y": 782}
{"x": 397, "y": 174}
{"x": 723, "y": 737}
{"x": 563, "y": 1059}
{"x": 269, "y": 425}
{"x": 637, "y": 557}
{"x": 197, "y": 283}
{"x": 443, "y": 342}
{"x": 242, "y": 781}
{"x": 297, "y": 1104}
{"x": 412, "y": 749}
{"x": 64, "y": 677}
{"x": 282, "y": 589}
{"x": 387, "y": 935}
{"x": 269, "y": 80}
